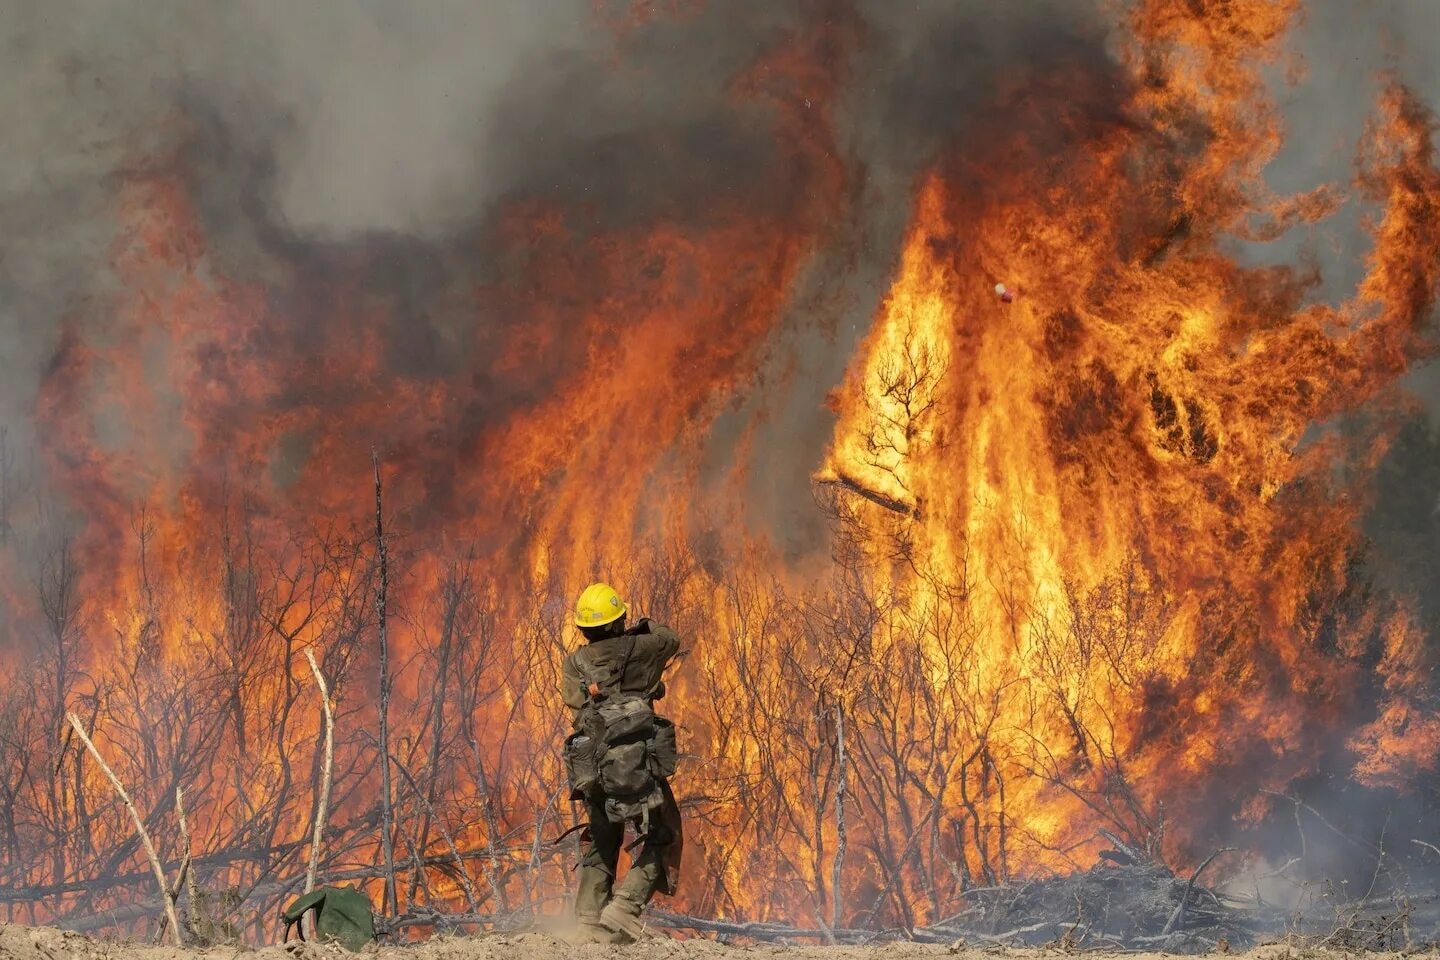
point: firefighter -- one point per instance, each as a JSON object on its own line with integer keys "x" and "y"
{"x": 620, "y": 662}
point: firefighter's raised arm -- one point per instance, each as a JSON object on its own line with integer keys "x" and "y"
{"x": 669, "y": 642}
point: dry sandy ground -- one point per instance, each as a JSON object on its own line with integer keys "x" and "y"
{"x": 43, "y": 943}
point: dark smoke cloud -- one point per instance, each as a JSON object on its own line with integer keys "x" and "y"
{"x": 373, "y": 139}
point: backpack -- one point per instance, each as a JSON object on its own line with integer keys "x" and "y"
{"x": 619, "y": 748}
{"x": 342, "y": 914}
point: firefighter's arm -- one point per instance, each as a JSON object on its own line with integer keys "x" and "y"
{"x": 669, "y": 642}
{"x": 572, "y": 685}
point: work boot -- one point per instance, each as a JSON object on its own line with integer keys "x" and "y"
{"x": 590, "y": 931}
{"x": 622, "y": 918}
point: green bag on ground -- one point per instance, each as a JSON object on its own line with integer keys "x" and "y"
{"x": 342, "y": 914}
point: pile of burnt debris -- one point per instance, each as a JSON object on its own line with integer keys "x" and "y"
{"x": 1130, "y": 905}
{"x": 1134, "y": 905}
{"x": 1130, "y": 902}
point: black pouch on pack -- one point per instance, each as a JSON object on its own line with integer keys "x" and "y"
{"x": 664, "y": 751}
{"x": 625, "y": 770}
{"x": 582, "y": 763}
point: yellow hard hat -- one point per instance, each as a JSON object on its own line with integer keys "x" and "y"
{"x": 598, "y": 605}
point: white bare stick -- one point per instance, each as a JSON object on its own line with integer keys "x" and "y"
{"x": 139, "y": 829}
{"x": 836, "y": 872}
{"x": 187, "y": 867}
{"x": 322, "y": 806}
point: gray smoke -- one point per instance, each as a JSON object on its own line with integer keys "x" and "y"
{"x": 1348, "y": 51}
{"x": 1345, "y": 42}
{"x": 374, "y": 116}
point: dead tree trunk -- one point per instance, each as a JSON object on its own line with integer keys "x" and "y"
{"x": 391, "y": 904}
{"x": 453, "y": 593}
{"x": 187, "y": 868}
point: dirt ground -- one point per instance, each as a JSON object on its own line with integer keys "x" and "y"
{"x": 45, "y": 943}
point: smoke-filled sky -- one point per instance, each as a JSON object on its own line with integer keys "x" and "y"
{"x": 362, "y": 119}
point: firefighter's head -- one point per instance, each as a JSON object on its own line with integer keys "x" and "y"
{"x": 600, "y": 613}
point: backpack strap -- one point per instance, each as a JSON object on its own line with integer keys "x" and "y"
{"x": 578, "y": 826}
{"x": 625, "y": 661}
{"x": 642, "y": 830}
{"x": 594, "y": 687}
{"x": 297, "y": 923}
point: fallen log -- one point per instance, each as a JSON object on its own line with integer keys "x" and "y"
{"x": 1129, "y": 855}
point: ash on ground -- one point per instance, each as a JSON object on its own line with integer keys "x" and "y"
{"x": 1147, "y": 907}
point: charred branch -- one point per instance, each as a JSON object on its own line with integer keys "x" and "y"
{"x": 460, "y": 870}
{"x": 391, "y": 904}
{"x": 848, "y": 483}
{"x": 1178, "y": 917}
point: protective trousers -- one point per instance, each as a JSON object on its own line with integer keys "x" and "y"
{"x": 652, "y": 871}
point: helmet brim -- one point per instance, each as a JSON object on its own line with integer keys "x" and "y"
{"x": 587, "y": 624}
